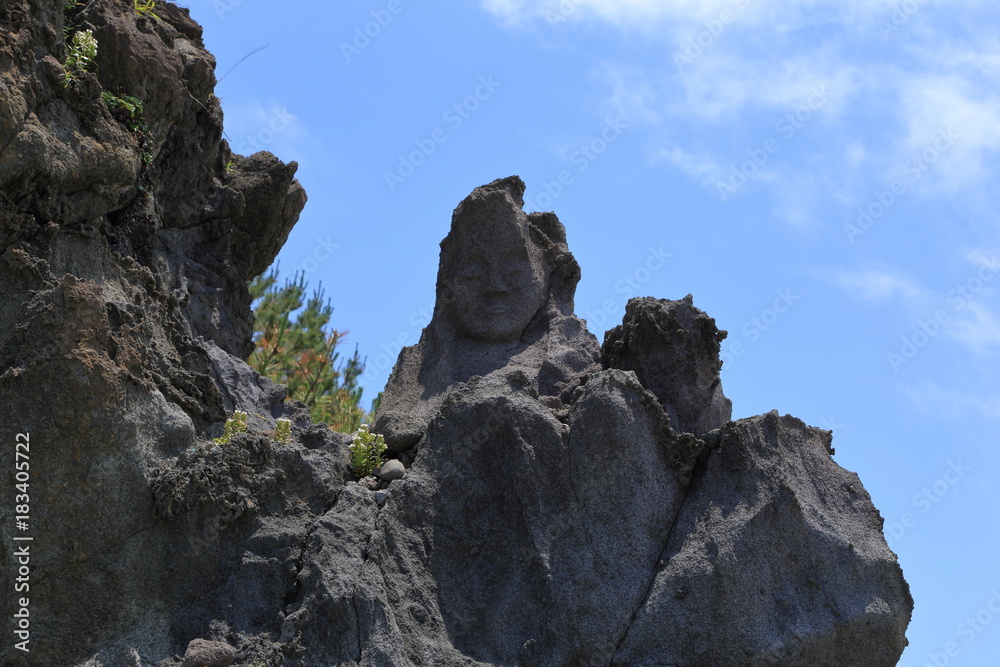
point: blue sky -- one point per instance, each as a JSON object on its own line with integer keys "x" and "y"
{"x": 817, "y": 174}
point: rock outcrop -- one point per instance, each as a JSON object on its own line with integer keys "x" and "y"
{"x": 505, "y": 292}
{"x": 673, "y": 348}
{"x": 551, "y": 501}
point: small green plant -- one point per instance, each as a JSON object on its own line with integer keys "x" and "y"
{"x": 238, "y": 423}
{"x": 128, "y": 110}
{"x": 283, "y": 431}
{"x": 230, "y": 166}
{"x": 81, "y": 51}
{"x": 366, "y": 451}
{"x": 145, "y": 8}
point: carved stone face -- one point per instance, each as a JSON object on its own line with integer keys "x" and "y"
{"x": 497, "y": 290}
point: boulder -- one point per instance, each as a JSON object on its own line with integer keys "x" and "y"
{"x": 777, "y": 558}
{"x": 673, "y": 348}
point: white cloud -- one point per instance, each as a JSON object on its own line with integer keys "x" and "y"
{"x": 721, "y": 88}
{"x": 933, "y": 105}
{"x": 880, "y": 285}
{"x": 630, "y": 97}
{"x": 967, "y": 311}
{"x": 779, "y": 14}
{"x": 896, "y": 78}
{"x": 977, "y": 327}
{"x": 951, "y": 403}
{"x": 702, "y": 166}
{"x": 624, "y": 13}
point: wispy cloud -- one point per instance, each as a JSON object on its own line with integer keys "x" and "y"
{"x": 731, "y": 69}
{"x": 951, "y": 403}
{"x": 930, "y": 101}
{"x": 978, "y": 328}
{"x": 967, "y": 311}
{"x": 624, "y": 13}
{"x": 630, "y": 96}
{"x": 700, "y": 165}
{"x": 880, "y": 285}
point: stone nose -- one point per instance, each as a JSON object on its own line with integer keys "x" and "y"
{"x": 499, "y": 283}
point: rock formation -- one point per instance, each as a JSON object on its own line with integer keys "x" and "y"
{"x": 562, "y": 504}
{"x": 505, "y": 292}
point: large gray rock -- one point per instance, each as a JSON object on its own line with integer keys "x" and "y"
{"x": 674, "y": 350}
{"x": 505, "y": 291}
{"x": 569, "y": 518}
{"x": 776, "y": 558}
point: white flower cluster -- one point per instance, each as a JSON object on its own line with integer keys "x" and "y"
{"x": 81, "y": 51}
{"x": 366, "y": 451}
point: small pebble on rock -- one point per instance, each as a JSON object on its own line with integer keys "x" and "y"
{"x": 205, "y": 653}
{"x": 392, "y": 469}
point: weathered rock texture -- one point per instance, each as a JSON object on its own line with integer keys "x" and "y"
{"x": 562, "y": 504}
{"x": 673, "y": 348}
{"x": 505, "y": 292}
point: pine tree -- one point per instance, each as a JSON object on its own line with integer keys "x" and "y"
{"x": 294, "y": 347}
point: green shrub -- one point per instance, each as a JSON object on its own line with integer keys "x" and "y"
{"x": 294, "y": 347}
{"x": 283, "y": 431}
{"x": 238, "y": 423}
{"x": 366, "y": 451}
{"x": 129, "y": 112}
{"x": 81, "y": 49}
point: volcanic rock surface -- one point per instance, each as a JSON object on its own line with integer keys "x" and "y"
{"x": 563, "y": 503}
